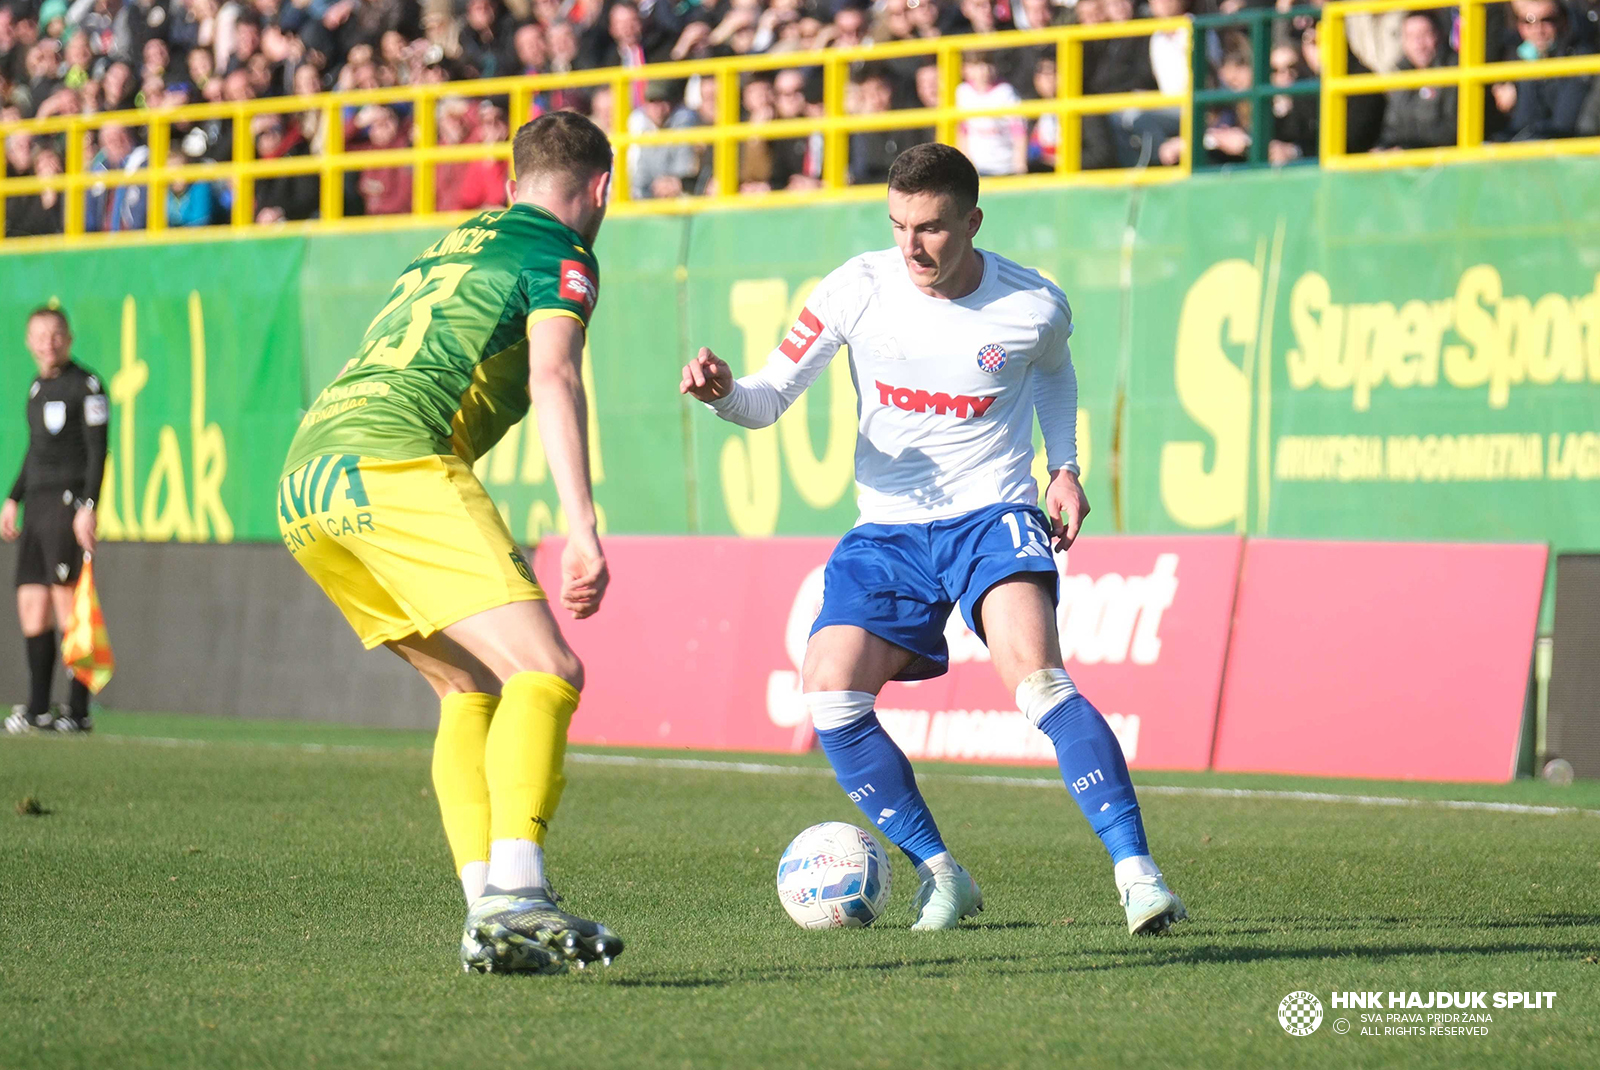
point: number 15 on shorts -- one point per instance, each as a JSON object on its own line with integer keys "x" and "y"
{"x": 1038, "y": 541}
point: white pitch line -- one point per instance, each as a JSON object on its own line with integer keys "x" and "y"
{"x": 1367, "y": 800}
{"x": 703, "y": 764}
{"x": 1147, "y": 789}
{"x": 309, "y": 748}
{"x": 765, "y": 769}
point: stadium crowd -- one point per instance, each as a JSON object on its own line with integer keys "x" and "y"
{"x": 59, "y": 57}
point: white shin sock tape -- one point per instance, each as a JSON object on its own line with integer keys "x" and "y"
{"x": 836, "y": 709}
{"x": 1043, "y": 691}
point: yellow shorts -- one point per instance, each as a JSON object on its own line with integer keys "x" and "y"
{"x": 401, "y": 547}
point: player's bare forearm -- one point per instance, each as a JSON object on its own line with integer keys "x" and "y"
{"x": 555, "y": 386}
{"x": 562, "y": 410}
{"x": 1055, "y": 402}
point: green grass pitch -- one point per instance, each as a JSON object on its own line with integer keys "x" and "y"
{"x": 202, "y": 893}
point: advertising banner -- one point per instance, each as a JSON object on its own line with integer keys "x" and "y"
{"x": 689, "y": 648}
{"x": 1290, "y": 353}
{"x": 198, "y": 349}
{"x": 700, "y": 641}
{"x": 1404, "y": 661}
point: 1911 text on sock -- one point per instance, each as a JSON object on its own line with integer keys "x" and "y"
{"x": 1087, "y": 781}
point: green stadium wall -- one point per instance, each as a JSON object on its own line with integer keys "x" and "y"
{"x": 1396, "y": 355}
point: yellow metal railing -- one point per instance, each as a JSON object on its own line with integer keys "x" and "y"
{"x": 425, "y": 154}
{"x": 1471, "y": 75}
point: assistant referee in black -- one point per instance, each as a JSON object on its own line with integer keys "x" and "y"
{"x": 67, "y": 434}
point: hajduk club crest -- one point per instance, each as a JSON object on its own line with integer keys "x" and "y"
{"x": 991, "y": 358}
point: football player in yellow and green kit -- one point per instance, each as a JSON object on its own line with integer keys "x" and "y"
{"x": 379, "y": 504}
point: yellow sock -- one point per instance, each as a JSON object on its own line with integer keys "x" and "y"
{"x": 527, "y": 744}
{"x": 458, "y": 774}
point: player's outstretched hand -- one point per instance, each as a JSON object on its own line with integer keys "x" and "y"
{"x": 584, "y": 575}
{"x": 706, "y": 377}
{"x": 8, "y": 521}
{"x": 1067, "y": 506}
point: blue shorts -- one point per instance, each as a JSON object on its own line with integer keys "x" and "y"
{"x": 900, "y": 581}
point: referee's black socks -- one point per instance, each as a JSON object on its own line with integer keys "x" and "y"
{"x": 78, "y": 700}
{"x": 42, "y": 651}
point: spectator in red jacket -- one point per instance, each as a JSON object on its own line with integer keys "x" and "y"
{"x": 383, "y": 190}
{"x": 479, "y": 183}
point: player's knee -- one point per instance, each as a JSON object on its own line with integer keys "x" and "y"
{"x": 819, "y": 672}
{"x": 814, "y": 679}
{"x": 570, "y": 669}
{"x": 36, "y": 620}
{"x": 454, "y": 680}
{"x": 34, "y": 611}
{"x": 562, "y": 663}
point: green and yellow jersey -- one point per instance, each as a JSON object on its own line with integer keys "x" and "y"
{"x": 443, "y": 368}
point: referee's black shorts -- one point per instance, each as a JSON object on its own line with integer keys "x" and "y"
{"x": 48, "y": 553}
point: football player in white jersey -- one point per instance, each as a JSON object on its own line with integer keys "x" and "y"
{"x": 954, "y": 349}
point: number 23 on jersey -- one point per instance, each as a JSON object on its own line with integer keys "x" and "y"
{"x": 423, "y": 290}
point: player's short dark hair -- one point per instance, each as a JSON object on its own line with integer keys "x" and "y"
{"x": 561, "y": 143}
{"x": 936, "y": 168}
{"x": 51, "y": 310}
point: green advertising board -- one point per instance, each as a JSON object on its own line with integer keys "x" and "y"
{"x": 198, "y": 347}
{"x": 1396, "y": 355}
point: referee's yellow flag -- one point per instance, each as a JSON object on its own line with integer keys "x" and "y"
{"x": 85, "y": 646}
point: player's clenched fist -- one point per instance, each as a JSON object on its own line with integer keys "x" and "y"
{"x": 584, "y": 576}
{"x": 706, "y": 377}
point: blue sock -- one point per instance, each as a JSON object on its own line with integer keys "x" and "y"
{"x": 874, "y": 772}
{"x": 1096, "y": 775}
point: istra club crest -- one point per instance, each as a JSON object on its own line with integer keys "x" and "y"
{"x": 991, "y": 358}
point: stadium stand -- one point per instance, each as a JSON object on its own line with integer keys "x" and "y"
{"x": 224, "y": 81}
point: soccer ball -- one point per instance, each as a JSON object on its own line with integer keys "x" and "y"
{"x": 834, "y": 876}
